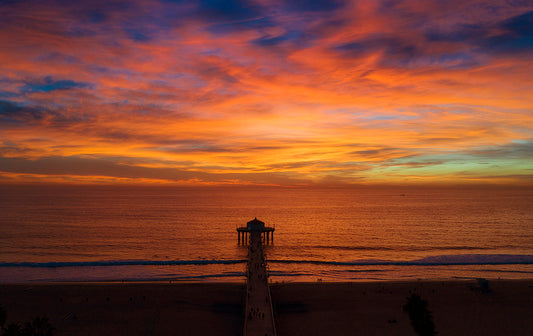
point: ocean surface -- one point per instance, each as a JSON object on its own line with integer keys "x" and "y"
{"x": 125, "y": 233}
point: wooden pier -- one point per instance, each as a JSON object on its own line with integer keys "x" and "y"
{"x": 266, "y": 232}
{"x": 259, "y": 315}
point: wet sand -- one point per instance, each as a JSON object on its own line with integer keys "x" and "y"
{"x": 375, "y": 308}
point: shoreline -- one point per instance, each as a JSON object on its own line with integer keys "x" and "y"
{"x": 301, "y": 308}
{"x": 272, "y": 282}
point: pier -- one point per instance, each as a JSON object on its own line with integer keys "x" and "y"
{"x": 266, "y": 232}
{"x": 258, "y": 313}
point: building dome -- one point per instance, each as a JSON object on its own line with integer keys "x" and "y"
{"x": 255, "y": 224}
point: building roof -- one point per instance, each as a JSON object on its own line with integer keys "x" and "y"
{"x": 255, "y": 221}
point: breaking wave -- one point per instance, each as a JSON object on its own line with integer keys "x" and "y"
{"x": 120, "y": 263}
{"x": 441, "y": 260}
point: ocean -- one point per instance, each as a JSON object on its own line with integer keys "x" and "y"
{"x": 137, "y": 233}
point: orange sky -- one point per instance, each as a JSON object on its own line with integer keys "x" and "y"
{"x": 266, "y": 92}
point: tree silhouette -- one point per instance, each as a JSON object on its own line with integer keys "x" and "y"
{"x": 420, "y": 316}
{"x": 13, "y": 329}
{"x": 39, "y": 326}
{"x": 3, "y": 316}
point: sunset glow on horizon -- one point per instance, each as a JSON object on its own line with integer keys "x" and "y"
{"x": 266, "y": 92}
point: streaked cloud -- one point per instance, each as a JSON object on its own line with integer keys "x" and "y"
{"x": 266, "y": 92}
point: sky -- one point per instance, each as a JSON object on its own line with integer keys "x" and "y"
{"x": 266, "y": 92}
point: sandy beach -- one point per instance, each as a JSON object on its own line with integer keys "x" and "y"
{"x": 374, "y": 308}
{"x": 458, "y": 307}
{"x": 129, "y": 308}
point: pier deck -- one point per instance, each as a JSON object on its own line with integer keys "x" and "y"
{"x": 259, "y": 315}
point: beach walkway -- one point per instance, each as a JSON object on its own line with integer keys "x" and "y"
{"x": 259, "y": 316}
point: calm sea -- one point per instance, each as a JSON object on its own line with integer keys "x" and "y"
{"x": 103, "y": 233}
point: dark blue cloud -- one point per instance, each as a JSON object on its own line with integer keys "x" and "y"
{"x": 399, "y": 52}
{"x": 460, "y": 33}
{"x": 513, "y": 35}
{"x": 95, "y": 11}
{"x": 465, "y": 42}
{"x": 517, "y": 35}
{"x": 252, "y": 24}
{"x": 222, "y": 16}
{"x": 49, "y": 84}
{"x": 137, "y": 35}
{"x": 8, "y": 108}
{"x": 228, "y": 10}
{"x": 13, "y": 113}
{"x": 521, "y": 25}
{"x": 354, "y": 49}
{"x": 7, "y": 2}
{"x": 399, "y": 49}
{"x": 269, "y": 41}
{"x": 7, "y": 94}
{"x": 328, "y": 26}
{"x": 393, "y": 48}
{"x": 59, "y": 58}
{"x": 96, "y": 16}
{"x": 314, "y": 5}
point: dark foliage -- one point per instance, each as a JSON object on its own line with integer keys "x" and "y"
{"x": 484, "y": 285}
{"x": 39, "y": 326}
{"x": 420, "y": 316}
{"x": 3, "y": 316}
{"x": 13, "y": 329}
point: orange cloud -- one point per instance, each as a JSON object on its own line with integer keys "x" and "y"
{"x": 266, "y": 92}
